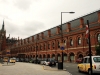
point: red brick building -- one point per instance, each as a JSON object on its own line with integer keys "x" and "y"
{"x": 46, "y": 44}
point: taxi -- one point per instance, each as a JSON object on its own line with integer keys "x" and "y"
{"x": 5, "y": 59}
{"x": 85, "y": 65}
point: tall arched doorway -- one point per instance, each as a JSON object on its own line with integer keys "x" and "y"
{"x": 72, "y": 57}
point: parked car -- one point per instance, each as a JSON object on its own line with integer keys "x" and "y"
{"x": 12, "y": 60}
{"x": 17, "y": 59}
{"x": 50, "y": 62}
{"x": 85, "y": 65}
{"x": 79, "y": 60}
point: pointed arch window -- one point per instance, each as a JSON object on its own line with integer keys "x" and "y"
{"x": 79, "y": 41}
{"x": 99, "y": 37}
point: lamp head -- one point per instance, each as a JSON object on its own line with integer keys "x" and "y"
{"x": 71, "y": 12}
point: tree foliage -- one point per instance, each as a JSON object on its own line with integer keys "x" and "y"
{"x": 97, "y": 48}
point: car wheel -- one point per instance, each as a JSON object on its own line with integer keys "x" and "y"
{"x": 89, "y": 72}
{"x": 79, "y": 69}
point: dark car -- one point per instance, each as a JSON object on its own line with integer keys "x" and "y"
{"x": 79, "y": 60}
{"x": 50, "y": 62}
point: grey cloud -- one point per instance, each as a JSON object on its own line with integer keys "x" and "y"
{"x": 23, "y": 4}
{"x": 4, "y": 16}
{"x": 11, "y": 28}
{"x": 33, "y": 27}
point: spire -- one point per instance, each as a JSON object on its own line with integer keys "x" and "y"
{"x": 3, "y": 26}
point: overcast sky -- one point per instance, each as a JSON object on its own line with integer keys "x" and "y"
{"x": 24, "y": 18}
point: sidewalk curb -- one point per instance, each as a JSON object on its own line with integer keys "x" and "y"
{"x": 52, "y": 69}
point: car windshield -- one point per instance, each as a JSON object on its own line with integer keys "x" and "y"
{"x": 96, "y": 59}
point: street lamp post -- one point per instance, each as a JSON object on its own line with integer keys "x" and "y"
{"x": 62, "y": 48}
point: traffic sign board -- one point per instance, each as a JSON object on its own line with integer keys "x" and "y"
{"x": 62, "y": 48}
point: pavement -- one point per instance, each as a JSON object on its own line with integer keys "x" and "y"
{"x": 52, "y": 68}
{"x": 28, "y": 70}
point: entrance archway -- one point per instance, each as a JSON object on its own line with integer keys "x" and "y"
{"x": 58, "y": 57}
{"x": 65, "y": 57}
{"x": 53, "y": 56}
{"x": 72, "y": 57}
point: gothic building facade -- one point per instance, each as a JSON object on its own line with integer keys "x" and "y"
{"x": 47, "y": 44}
{"x": 5, "y": 43}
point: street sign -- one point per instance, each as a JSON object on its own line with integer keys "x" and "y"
{"x": 62, "y": 46}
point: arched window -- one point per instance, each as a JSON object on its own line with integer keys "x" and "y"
{"x": 65, "y": 42}
{"x": 79, "y": 41}
{"x": 99, "y": 37}
{"x": 71, "y": 42}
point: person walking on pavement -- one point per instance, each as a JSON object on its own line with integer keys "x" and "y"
{"x": 7, "y": 61}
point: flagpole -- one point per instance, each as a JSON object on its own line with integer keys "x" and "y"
{"x": 90, "y": 54}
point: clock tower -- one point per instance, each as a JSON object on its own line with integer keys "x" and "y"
{"x": 2, "y": 38}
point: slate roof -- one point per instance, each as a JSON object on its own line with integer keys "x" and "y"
{"x": 92, "y": 17}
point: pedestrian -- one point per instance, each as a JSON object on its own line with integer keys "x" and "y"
{"x": 7, "y": 61}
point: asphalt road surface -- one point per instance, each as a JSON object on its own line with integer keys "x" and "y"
{"x": 72, "y": 68}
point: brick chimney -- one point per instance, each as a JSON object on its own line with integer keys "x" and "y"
{"x": 49, "y": 33}
{"x": 68, "y": 27}
{"x": 32, "y": 38}
{"x": 42, "y": 35}
{"x": 58, "y": 30}
{"x": 24, "y": 41}
{"x": 37, "y": 36}
{"x": 99, "y": 17}
{"x": 81, "y": 22}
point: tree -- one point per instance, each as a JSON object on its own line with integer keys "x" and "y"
{"x": 97, "y": 48}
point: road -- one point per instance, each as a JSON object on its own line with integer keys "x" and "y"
{"x": 72, "y": 68}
